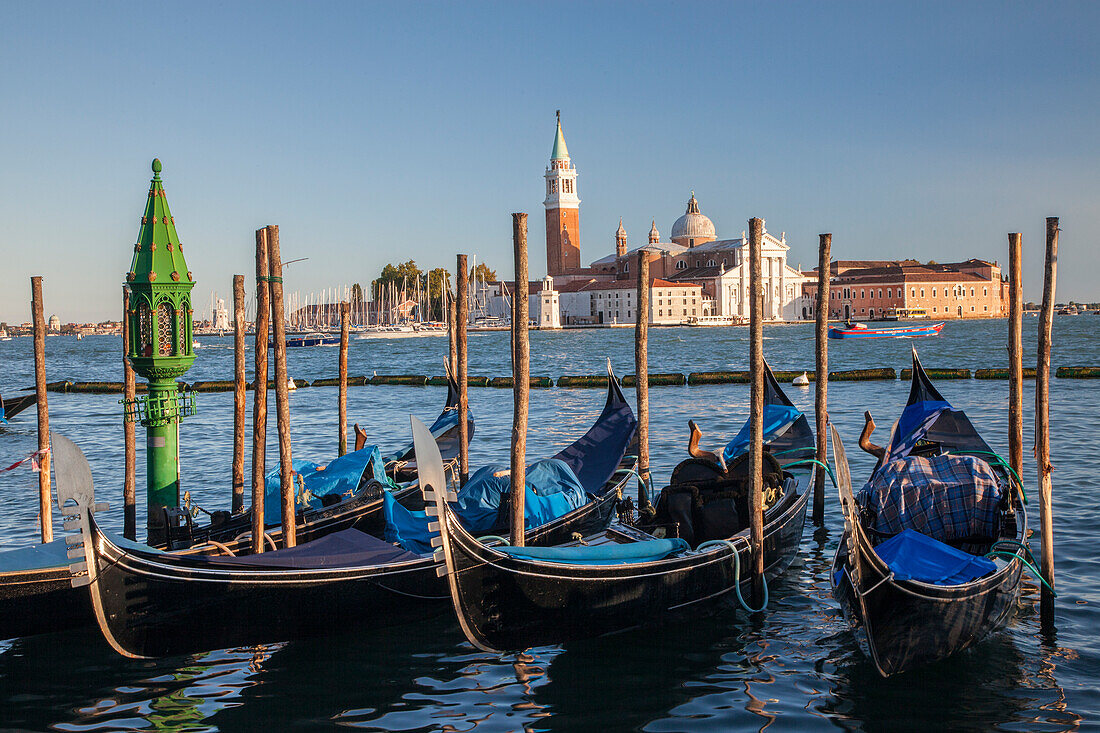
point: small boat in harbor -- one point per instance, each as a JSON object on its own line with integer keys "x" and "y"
{"x": 862, "y": 331}
{"x": 935, "y": 543}
{"x": 311, "y": 339}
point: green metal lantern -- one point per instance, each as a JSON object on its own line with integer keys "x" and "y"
{"x": 160, "y": 323}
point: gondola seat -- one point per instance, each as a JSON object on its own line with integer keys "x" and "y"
{"x": 950, "y": 498}
{"x": 607, "y": 554}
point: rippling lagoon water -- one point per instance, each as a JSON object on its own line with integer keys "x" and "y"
{"x": 797, "y": 667}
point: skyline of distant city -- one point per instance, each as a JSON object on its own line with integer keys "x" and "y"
{"x": 905, "y": 131}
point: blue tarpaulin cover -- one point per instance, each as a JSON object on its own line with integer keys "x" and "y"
{"x": 552, "y": 490}
{"x": 915, "y": 556}
{"x": 340, "y": 476}
{"x": 777, "y": 418}
{"x": 611, "y": 554}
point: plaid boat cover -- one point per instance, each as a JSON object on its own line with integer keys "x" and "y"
{"x": 948, "y": 497}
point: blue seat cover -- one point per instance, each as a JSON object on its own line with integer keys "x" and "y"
{"x": 915, "y": 556}
{"x": 612, "y": 554}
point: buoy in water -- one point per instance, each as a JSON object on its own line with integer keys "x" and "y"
{"x": 803, "y": 381}
{"x": 290, "y": 385}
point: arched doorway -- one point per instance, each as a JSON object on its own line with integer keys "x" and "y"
{"x": 871, "y": 314}
{"x": 847, "y": 313}
{"x": 960, "y": 311}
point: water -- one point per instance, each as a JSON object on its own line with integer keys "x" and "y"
{"x": 797, "y": 668}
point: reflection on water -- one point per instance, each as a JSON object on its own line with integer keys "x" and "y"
{"x": 795, "y": 667}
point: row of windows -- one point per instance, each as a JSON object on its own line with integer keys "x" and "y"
{"x": 958, "y": 291}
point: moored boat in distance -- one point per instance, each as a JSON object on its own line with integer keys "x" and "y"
{"x": 860, "y": 330}
{"x": 310, "y": 339}
{"x": 697, "y": 321}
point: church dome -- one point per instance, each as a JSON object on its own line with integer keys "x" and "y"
{"x": 693, "y": 228}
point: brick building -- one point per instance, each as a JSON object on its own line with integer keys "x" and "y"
{"x": 873, "y": 289}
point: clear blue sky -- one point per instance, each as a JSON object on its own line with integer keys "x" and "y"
{"x": 374, "y": 132}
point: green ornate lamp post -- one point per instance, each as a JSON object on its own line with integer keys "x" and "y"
{"x": 161, "y": 350}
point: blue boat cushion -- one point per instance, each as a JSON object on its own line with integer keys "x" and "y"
{"x": 947, "y": 497}
{"x": 552, "y": 490}
{"x": 341, "y": 477}
{"x": 777, "y": 419}
{"x": 609, "y": 554}
{"x": 915, "y": 556}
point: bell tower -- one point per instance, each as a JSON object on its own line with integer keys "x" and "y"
{"x": 563, "y": 234}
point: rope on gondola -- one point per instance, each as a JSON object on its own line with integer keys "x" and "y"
{"x": 813, "y": 462}
{"x": 996, "y": 551}
{"x": 737, "y": 574}
{"x": 490, "y": 537}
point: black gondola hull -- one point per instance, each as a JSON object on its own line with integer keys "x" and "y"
{"x": 902, "y": 625}
{"x": 510, "y": 604}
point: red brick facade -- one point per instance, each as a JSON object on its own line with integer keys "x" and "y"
{"x": 563, "y": 240}
{"x": 971, "y": 289}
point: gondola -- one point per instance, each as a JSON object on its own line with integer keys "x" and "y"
{"x": 35, "y": 591}
{"x": 12, "y": 406}
{"x": 512, "y": 598}
{"x": 150, "y": 603}
{"x": 912, "y": 597}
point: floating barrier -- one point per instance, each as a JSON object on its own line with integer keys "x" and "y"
{"x": 719, "y": 378}
{"x": 335, "y": 382}
{"x": 95, "y": 387}
{"x": 438, "y": 382}
{"x": 213, "y": 386}
{"x": 583, "y": 381}
{"x": 657, "y": 380}
{"x": 862, "y": 375}
{"x": 1078, "y": 372}
{"x": 1029, "y": 373}
{"x": 507, "y": 382}
{"x": 939, "y": 373}
{"x": 61, "y": 386}
{"x": 403, "y": 380}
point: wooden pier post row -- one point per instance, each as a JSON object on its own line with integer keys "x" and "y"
{"x": 641, "y": 378}
{"x": 343, "y": 398}
{"x": 129, "y": 389}
{"x": 462, "y": 314}
{"x": 239, "y": 386}
{"x": 259, "y": 395}
{"x": 1042, "y": 424}
{"x": 1015, "y": 355}
{"x": 282, "y": 398}
{"x": 45, "y": 516}
{"x": 821, "y": 380}
{"x": 521, "y": 378}
{"x": 756, "y": 410}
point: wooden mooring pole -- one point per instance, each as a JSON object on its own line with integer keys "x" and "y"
{"x": 821, "y": 380}
{"x": 1042, "y": 425}
{"x": 452, "y": 344}
{"x": 756, "y": 410}
{"x": 239, "y": 387}
{"x": 282, "y": 398}
{"x": 129, "y": 389}
{"x": 343, "y": 398}
{"x": 641, "y": 378}
{"x": 461, "y": 316}
{"x": 521, "y": 378}
{"x": 259, "y": 395}
{"x": 1015, "y": 355}
{"x": 45, "y": 516}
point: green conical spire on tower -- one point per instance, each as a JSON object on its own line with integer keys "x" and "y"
{"x": 158, "y": 254}
{"x": 560, "y": 152}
